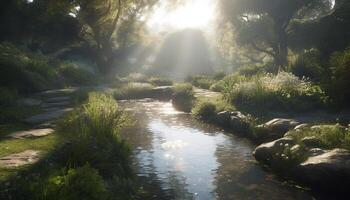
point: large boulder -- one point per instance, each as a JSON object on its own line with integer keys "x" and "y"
{"x": 238, "y": 122}
{"x": 223, "y": 118}
{"x": 276, "y": 128}
{"x": 265, "y": 153}
{"x": 329, "y": 170}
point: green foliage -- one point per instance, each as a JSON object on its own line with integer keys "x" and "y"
{"x": 160, "y": 81}
{"x": 133, "y": 91}
{"x": 204, "y": 110}
{"x": 25, "y": 71}
{"x": 183, "y": 97}
{"x": 75, "y": 76}
{"x": 283, "y": 91}
{"x": 227, "y": 82}
{"x": 93, "y": 131}
{"x": 308, "y": 64}
{"x": 202, "y": 81}
{"x": 80, "y": 183}
{"x": 329, "y": 136}
{"x": 8, "y": 97}
{"x": 250, "y": 70}
{"x": 340, "y": 81}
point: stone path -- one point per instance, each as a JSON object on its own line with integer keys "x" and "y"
{"x": 205, "y": 93}
{"x": 54, "y": 104}
{"x": 31, "y": 133}
{"x": 20, "y": 159}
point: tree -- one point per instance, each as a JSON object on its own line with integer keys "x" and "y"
{"x": 263, "y": 24}
{"x": 104, "y": 18}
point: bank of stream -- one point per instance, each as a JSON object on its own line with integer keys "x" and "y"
{"x": 178, "y": 157}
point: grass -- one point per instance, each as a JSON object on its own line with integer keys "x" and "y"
{"x": 133, "y": 91}
{"x": 204, "y": 110}
{"x": 202, "y": 81}
{"x": 183, "y": 97}
{"x": 328, "y": 136}
{"x": 84, "y": 158}
{"x": 283, "y": 92}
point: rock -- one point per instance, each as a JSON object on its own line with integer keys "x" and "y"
{"x": 20, "y": 159}
{"x": 264, "y": 153}
{"x": 46, "y": 125}
{"x": 311, "y": 141}
{"x": 300, "y": 126}
{"x": 162, "y": 92}
{"x": 329, "y": 170}
{"x": 57, "y": 99}
{"x": 29, "y": 102}
{"x": 278, "y": 127}
{"x": 315, "y": 152}
{"x": 40, "y": 118}
{"x": 223, "y": 118}
{"x": 238, "y": 122}
{"x": 31, "y": 133}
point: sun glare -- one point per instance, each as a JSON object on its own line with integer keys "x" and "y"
{"x": 192, "y": 14}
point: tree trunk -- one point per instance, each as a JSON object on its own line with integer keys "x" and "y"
{"x": 281, "y": 50}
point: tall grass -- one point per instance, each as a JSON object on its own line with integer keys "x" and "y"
{"x": 183, "y": 97}
{"x": 93, "y": 132}
{"x": 283, "y": 91}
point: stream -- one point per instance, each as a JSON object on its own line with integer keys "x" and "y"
{"x": 178, "y": 157}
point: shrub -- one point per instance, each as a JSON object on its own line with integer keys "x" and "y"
{"x": 75, "y": 76}
{"x": 283, "y": 91}
{"x": 308, "y": 64}
{"x": 8, "y": 97}
{"x": 80, "y": 183}
{"x": 204, "y": 110}
{"x": 201, "y": 81}
{"x": 93, "y": 132}
{"x": 133, "y": 91}
{"x": 25, "y": 71}
{"x": 340, "y": 67}
{"x": 227, "y": 82}
{"x": 250, "y": 70}
{"x": 183, "y": 97}
{"x": 329, "y": 136}
{"x": 159, "y": 81}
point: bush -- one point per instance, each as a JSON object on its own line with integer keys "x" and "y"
{"x": 283, "y": 91}
{"x": 204, "y": 110}
{"x": 133, "y": 91}
{"x": 24, "y": 71}
{"x": 80, "y": 183}
{"x": 340, "y": 81}
{"x": 183, "y": 97}
{"x": 227, "y": 82}
{"x": 75, "y": 76}
{"x": 158, "y": 81}
{"x": 329, "y": 136}
{"x": 8, "y": 97}
{"x": 201, "y": 81}
{"x": 93, "y": 132}
{"x": 308, "y": 64}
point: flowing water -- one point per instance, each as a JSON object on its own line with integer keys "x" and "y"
{"x": 178, "y": 157}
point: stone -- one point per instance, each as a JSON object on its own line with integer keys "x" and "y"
{"x": 329, "y": 170}
{"x": 264, "y": 153}
{"x": 276, "y": 128}
{"x": 238, "y": 122}
{"x": 315, "y": 152}
{"x": 311, "y": 141}
{"x": 300, "y": 126}
{"x": 19, "y": 159}
{"x": 223, "y": 118}
{"x": 40, "y": 118}
{"x": 31, "y": 133}
{"x": 29, "y": 102}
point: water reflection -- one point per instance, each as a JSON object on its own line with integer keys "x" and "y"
{"x": 178, "y": 157}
